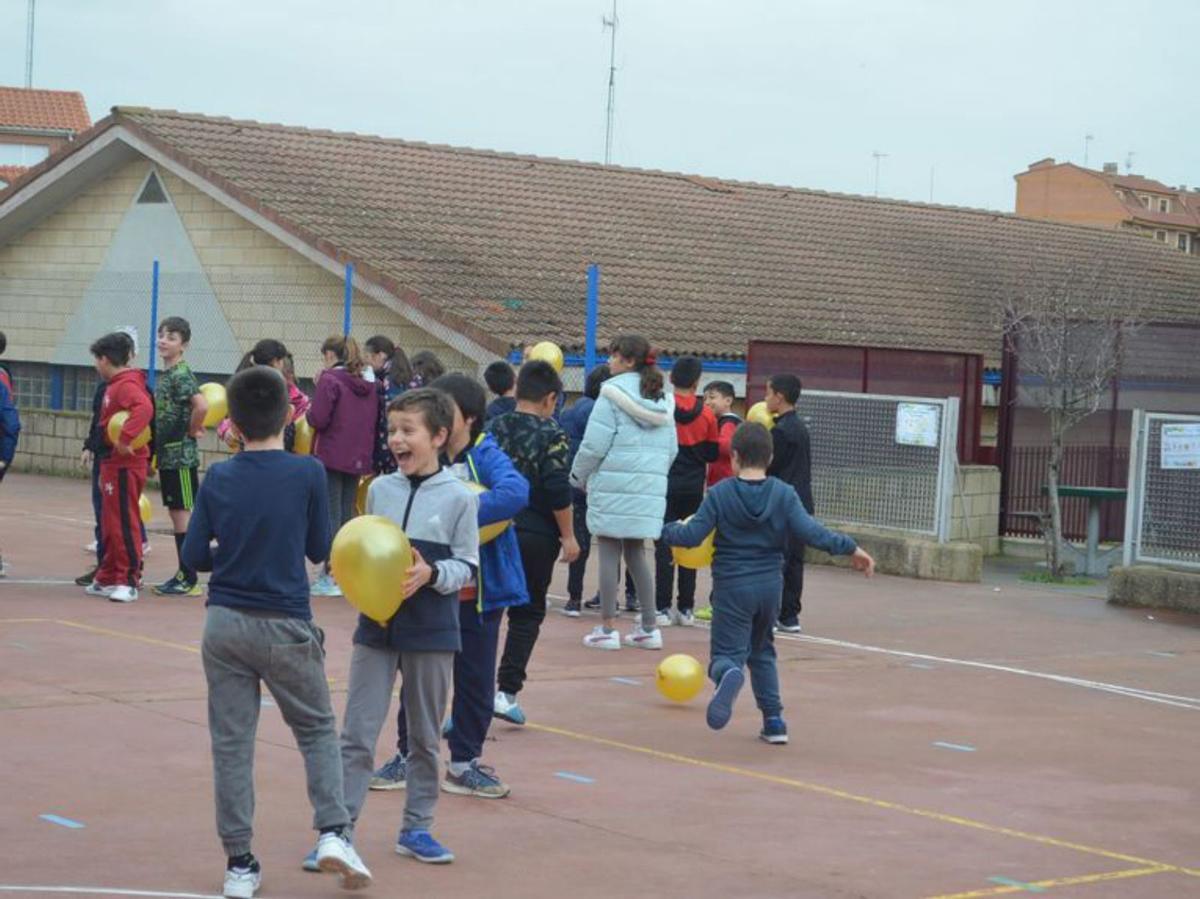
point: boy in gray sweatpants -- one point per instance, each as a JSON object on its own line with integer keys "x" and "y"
{"x": 266, "y": 509}
{"x": 439, "y": 514}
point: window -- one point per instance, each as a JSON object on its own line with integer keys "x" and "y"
{"x": 1145, "y": 200}
{"x": 152, "y": 191}
{"x": 1164, "y": 205}
{"x": 22, "y": 154}
{"x": 1183, "y": 242}
{"x": 31, "y": 383}
{"x": 1160, "y": 235}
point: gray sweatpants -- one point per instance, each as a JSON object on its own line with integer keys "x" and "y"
{"x": 424, "y": 687}
{"x": 243, "y": 649}
{"x": 342, "y": 489}
{"x": 609, "y": 551}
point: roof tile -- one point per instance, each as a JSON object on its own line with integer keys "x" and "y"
{"x": 34, "y": 108}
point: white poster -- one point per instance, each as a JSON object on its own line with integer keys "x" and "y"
{"x": 1180, "y": 446}
{"x": 917, "y": 424}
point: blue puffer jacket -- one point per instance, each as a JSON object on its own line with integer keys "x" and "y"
{"x": 623, "y": 460}
{"x": 501, "y": 580}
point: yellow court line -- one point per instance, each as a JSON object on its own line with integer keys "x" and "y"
{"x": 27, "y": 620}
{"x": 126, "y": 635}
{"x": 864, "y": 800}
{"x": 1057, "y": 882}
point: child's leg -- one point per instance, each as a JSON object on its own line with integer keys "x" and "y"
{"x": 637, "y": 568}
{"x": 608, "y": 561}
{"x": 764, "y": 675}
{"x": 232, "y": 659}
{"x": 474, "y": 681}
{"x": 120, "y": 489}
{"x": 372, "y": 676}
{"x": 295, "y": 676}
{"x": 731, "y": 636}
{"x": 97, "y": 511}
{"x": 335, "y": 489}
{"x": 584, "y": 538}
{"x": 664, "y": 567}
{"x": 793, "y": 581}
{"x": 539, "y": 552}
{"x": 179, "y": 487}
{"x": 425, "y": 688}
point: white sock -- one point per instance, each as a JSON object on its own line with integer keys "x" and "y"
{"x": 459, "y": 768}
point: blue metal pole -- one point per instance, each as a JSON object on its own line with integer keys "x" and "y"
{"x": 151, "y": 365}
{"x": 348, "y": 299}
{"x": 593, "y": 315}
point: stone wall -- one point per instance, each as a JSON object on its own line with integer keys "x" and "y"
{"x": 975, "y": 510}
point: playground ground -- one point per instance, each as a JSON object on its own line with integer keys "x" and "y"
{"x": 947, "y": 740}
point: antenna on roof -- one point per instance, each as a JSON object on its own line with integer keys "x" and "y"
{"x": 1129, "y": 161}
{"x": 29, "y": 46}
{"x": 609, "y": 23}
{"x": 1087, "y": 144}
{"x": 878, "y": 156}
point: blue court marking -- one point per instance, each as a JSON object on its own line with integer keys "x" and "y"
{"x": 577, "y": 778}
{"x": 957, "y": 747}
{"x": 628, "y": 681}
{"x": 62, "y": 822}
{"x": 1009, "y": 882}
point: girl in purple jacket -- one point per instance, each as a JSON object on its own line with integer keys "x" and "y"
{"x": 344, "y": 411}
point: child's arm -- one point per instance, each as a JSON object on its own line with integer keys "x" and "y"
{"x": 725, "y": 439}
{"x": 199, "y": 409}
{"x": 507, "y": 490}
{"x": 781, "y": 452}
{"x": 459, "y": 570}
{"x": 320, "y": 413}
{"x": 597, "y": 440}
{"x": 299, "y": 400}
{"x": 196, "y": 551}
{"x": 804, "y": 469}
{"x": 141, "y": 412}
{"x": 703, "y": 523}
{"x": 557, "y": 485}
{"x": 319, "y": 538}
{"x": 807, "y": 529}
{"x": 707, "y": 448}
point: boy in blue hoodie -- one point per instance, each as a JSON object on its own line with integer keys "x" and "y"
{"x": 753, "y": 515}
{"x": 440, "y": 514}
{"x": 475, "y": 458}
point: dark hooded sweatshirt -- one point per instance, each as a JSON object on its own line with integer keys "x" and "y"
{"x": 344, "y": 413}
{"x": 696, "y": 428}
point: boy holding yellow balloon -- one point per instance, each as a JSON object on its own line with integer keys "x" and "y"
{"x": 179, "y": 418}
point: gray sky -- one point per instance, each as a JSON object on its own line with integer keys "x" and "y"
{"x": 796, "y": 92}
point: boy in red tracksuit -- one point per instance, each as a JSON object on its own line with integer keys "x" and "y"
{"x": 719, "y": 396}
{"x": 123, "y": 473}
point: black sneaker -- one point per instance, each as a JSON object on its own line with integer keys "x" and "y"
{"x": 87, "y": 577}
{"x": 632, "y": 604}
{"x": 593, "y": 603}
{"x": 789, "y": 625}
{"x": 572, "y": 608}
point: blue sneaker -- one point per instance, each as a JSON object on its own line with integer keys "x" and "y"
{"x": 421, "y": 845}
{"x": 392, "y": 774}
{"x": 325, "y": 585}
{"x": 720, "y": 707}
{"x": 310, "y": 863}
{"x": 477, "y": 780}
{"x": 774, "y": 731}
{"x": 508, "y": 709}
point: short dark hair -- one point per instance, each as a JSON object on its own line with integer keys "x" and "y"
{"x": 537, "y": 380}
{"x": 467, "y": 394}
{"x": 787, "y": 386}
{"x": 595, "y": 380}
{"x": 176, "y": 325}
{"x": 752, "y": 443}
{"x": 722, "y": 387}
{"x": 258, "y": 402}
{"x": 435, "y": 406}
{"x": 686, "y": 372}
{"x": 499, "y": 377}
{"x": 3, "y": 342}
{"x": 380, "y": 344}
{"x": 116, "y": 347}
{"x": 427, "y": 366}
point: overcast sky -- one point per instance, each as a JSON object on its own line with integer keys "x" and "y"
{"x": 795, "y": 92}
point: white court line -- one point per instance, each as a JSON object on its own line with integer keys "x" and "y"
{"x": 101, "y": 891}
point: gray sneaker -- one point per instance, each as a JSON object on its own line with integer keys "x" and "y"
{"x": 478, "y": 780}
{"x": 392, "y": 775}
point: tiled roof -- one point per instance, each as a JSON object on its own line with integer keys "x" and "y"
{"x": 9, "y": 173}
{"x": 35, "y": 109}
{"x": 497, "y": 244}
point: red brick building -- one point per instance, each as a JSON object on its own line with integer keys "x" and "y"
{"x": 1065, "y": 192}
{"x": 34, "y": 123}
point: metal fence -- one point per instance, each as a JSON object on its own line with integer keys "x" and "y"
{"x": 883, "y": 461}
{"x": 1162, "y": 520}
{"x": 1094, "y": 466}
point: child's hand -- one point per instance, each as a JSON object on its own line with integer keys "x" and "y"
{"x": 199, "y": 432}
{"x": 85, "y": 458}
{"x": 418, "y": 575}
{"x": 570, "y": 550}
{"x": 862, "y": 561}
{"x": 123, "y": 449}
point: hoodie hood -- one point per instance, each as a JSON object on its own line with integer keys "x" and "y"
{"x": 688, "y": 408}
{"x": 753, "y": 500}
{"x": 624, "y": 392}
{"x": 358, "y": 385}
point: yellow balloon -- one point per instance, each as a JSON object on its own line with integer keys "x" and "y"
{"x": 679, "y": 677}
{"x": 547, "y": 351}
{"x": 114, "y": 431}
{"x": 218, "y": 408}
{"x": 370, "y": 560}
{"x": 145, "y": 510}
{"x": 360, "y": 494}
{"x": 695, "y": 556}
{"x": 304, "y": 437}
{"x": 488, "y": 532}
{"x": 758, "y": 414}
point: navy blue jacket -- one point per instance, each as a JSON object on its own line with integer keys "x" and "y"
{"x": 501, "y": 580}
{"x": 753, "y": 520}
{"x": 574, "y": 422}
{"x": 10, "y": 425}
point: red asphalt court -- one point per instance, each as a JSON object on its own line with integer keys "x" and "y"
{"x": 947, "y": 741}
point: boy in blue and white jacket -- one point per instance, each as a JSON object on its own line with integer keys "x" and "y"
{"x": 475, "y": 458}
{"x": 439, "y": 514}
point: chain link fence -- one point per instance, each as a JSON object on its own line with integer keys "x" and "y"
{"x": 1162, "y": 523}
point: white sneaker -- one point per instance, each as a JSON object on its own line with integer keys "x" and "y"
{"x": 90, "y": 549}
{"x": 325, "y": 585}
{"x": 241, "y": 883}
{"x": 643, "y": 639}
{"x": 123, "y": 593}
{"x": 663, "y": 619}
{"x": 598, "y": 639}
{"x": 146, "y": 547}
{"x": 685, "y": 618}
{"x": 95, "y": 589}
{"x": 336, "y": 854}
{"x": 506, "y": 707}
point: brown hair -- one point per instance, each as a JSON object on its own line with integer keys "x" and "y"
{"x": 347, "y": 352}
{"x": 645, "y": 363}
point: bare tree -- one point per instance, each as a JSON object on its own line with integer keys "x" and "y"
{"x": 1068, "y": 328}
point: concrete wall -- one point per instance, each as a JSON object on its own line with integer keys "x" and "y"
{"x": 1150, "y": 586}
{"x": 975, "y": 511}
{"x": 1064, "y": 193}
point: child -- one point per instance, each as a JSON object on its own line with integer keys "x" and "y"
{"x": 274, "y": 354}
{"x": 266, "y": 510}
{"x": 502, "y": 381}
{"x": 754, "y": 516}
{"x": 574, "y": 422}
{"x": 179, "y": 410}
{"x": 439, "y": 514}
{"x": 426, "y": 368}
{"x": 539, "y": 449}
{"x": 622, "y": 463}
{"x": 792, "y": 464}
{"x": 123, "y": 472}
{"x": 719, "y": 396}
{"x": 475, "y": 457}
{"x": 10, "y": 428}
{"x": 344, "y": 414}
{"x": 696, "y": 431}
{"x": 380, "y": 351}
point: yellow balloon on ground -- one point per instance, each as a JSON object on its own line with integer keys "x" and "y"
{"x": 759, "y": 415}
{"x": 145, "y": 510}
{"x": 370, "y": 560}
{"x": 114, "y": 431}
{"x": 547, "y": 351}
{"x": 679, "y": 677}
{"x": 218, "y": 407}
{"x": 488, "y": 532}
{"x": 360, "y": 494}
{"x": 304, "y": 437}
{"x": 695, "y": 556}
